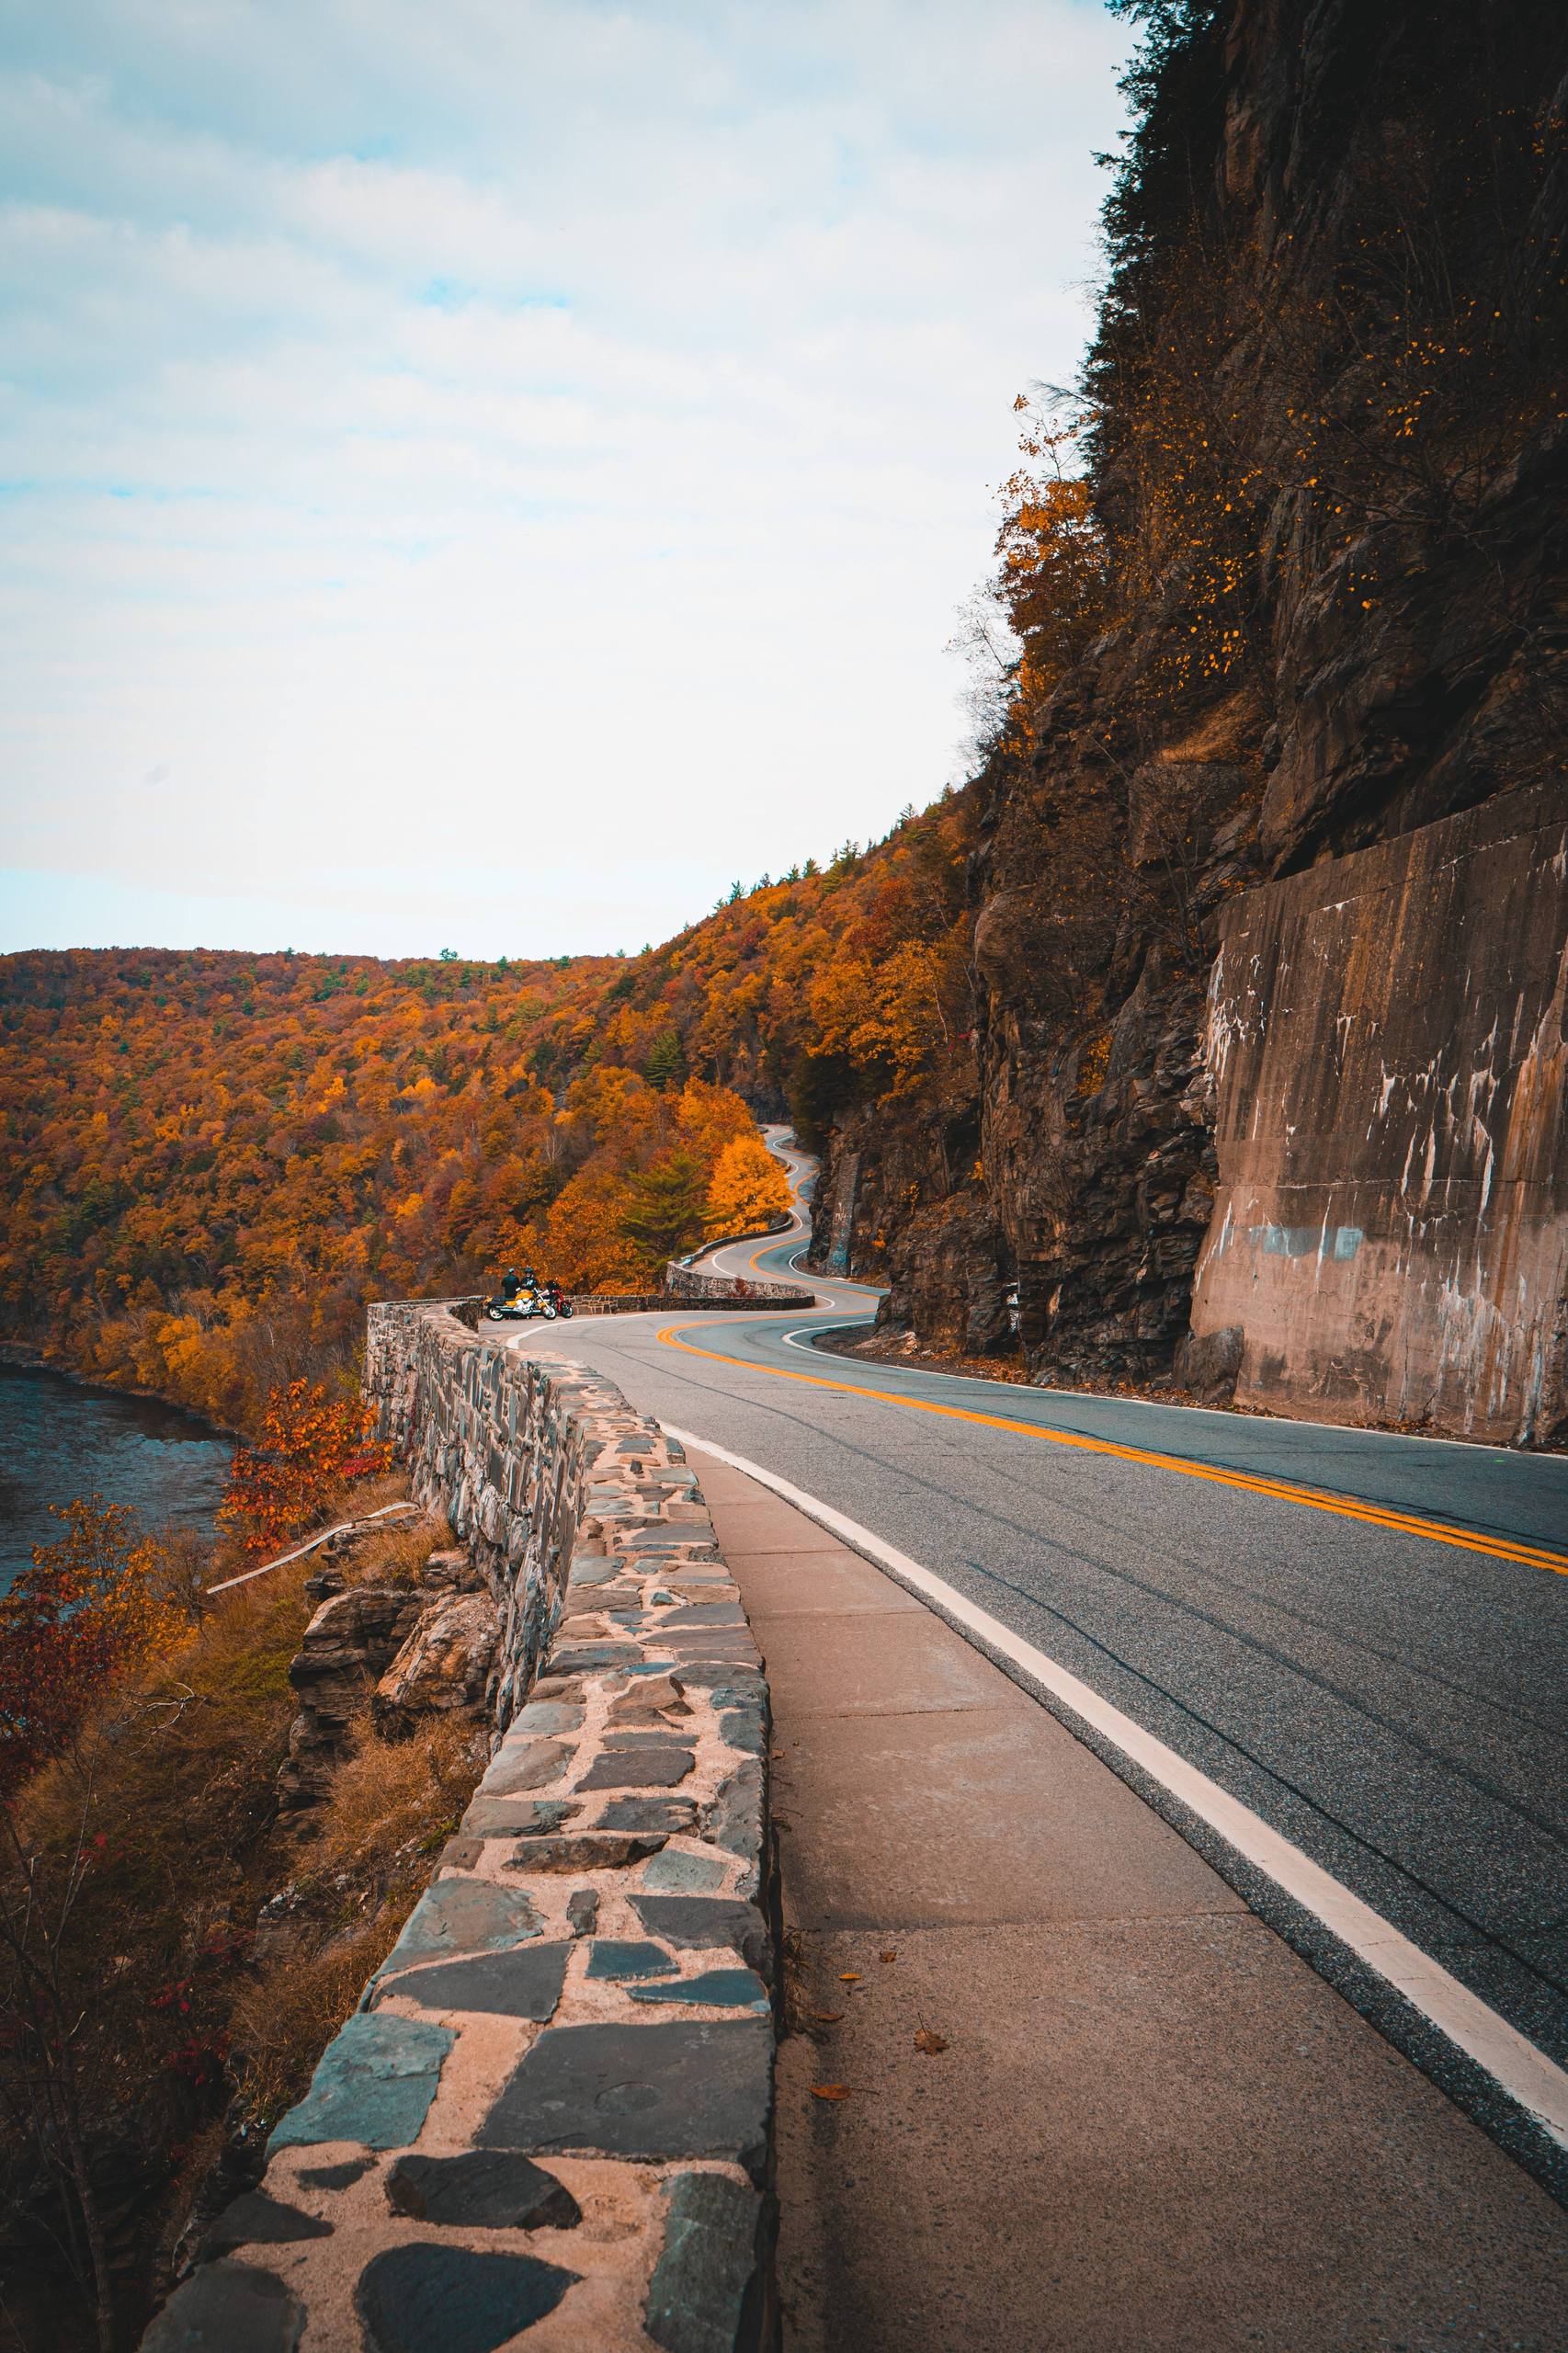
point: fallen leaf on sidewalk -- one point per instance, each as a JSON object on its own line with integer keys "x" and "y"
{"x": 925, "y": 2040}
{"x": 830, "y": 2091}
{"x": 849, "y": 1977}
{"x": 828, "y": 2017}
{"x": 887, "y": 1955}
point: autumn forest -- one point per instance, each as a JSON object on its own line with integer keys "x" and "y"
{"x": 212, "y": 1161}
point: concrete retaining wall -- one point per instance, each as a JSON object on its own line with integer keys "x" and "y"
{"x": 552, "y": 2111}
{"x": 1388, "y": 1038}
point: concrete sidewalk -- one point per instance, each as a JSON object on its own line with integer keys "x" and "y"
{"x": 1153, "y": 2126}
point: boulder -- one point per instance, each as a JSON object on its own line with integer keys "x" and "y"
{"x": 1207, "y": 1363}
{"x": 451, "y": 1571}
{"x": 444, "y": 1665}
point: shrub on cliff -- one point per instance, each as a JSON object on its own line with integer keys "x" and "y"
{"x": 312, "y": 1444}
{"x": 102, "y": 1600}
{"x": 134, "y": 2004}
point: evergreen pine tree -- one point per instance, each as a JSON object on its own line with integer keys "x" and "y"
{"x": 665, "y": 1214}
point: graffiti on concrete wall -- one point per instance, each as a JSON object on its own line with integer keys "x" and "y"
{"x": 1388, "y": 1035}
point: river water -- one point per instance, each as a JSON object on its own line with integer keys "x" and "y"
{"x": 59, "y": 1441}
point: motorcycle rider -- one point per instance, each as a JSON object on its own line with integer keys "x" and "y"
{"x": 513, "y": 1283}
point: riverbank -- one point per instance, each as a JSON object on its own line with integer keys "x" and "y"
{"x": 62, "y": 1437}
{"x": 27, "y": 1355}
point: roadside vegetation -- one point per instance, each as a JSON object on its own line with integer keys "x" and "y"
{"x": 175, "y": 1952}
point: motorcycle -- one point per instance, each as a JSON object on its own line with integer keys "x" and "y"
{"x": 521, "y": 1309}
{"x": 546, "y": 1299}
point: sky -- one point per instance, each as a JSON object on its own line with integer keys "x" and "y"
{"x": 491, "y": 475}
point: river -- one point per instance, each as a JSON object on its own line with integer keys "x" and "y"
{"x": 59, "y": 1439}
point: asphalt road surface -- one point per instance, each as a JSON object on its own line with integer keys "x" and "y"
{"x": 1362, "y": 1637}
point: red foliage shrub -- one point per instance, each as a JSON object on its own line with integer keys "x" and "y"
{"x": 310, "y": 1442}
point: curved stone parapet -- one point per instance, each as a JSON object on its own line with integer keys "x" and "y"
{"x": 693, "y": 1286}
{"x": 552, "y": 2108}
{"x": 780, "y": 1223}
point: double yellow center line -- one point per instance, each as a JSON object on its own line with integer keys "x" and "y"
{"x": 1437, "y": 1531}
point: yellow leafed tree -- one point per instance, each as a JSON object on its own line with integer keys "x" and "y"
{"x": 748, "y": 1190}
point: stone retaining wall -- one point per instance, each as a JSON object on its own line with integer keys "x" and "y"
{"x": 690, "y": 1286}
{"x": 780, "y": 1223}
{"x": 695, "y": 1287}
{"x": 735, "y": 1293}
{"x": 552, "y": 2111}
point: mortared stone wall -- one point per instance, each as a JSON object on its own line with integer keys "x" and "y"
{"x": 549, "y": 2119}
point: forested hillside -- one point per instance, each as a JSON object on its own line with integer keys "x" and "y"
{"x": 212, "y": 1161}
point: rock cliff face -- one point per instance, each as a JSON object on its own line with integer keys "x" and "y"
{"x": 1328, "y": 446}
{"x": 1389, "y": 1034}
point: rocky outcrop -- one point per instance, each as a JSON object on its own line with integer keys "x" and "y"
{"x": 1329, "y": 464}
{"x": 444, "y": 1665}
{"x": 405, "y": 1649}
{"x": 950, "y": 1281}
{"x": 348, "y": 1644}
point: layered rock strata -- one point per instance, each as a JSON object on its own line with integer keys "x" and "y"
{"x": 409, "y": 1648}
{"x": 551, "y": 2114}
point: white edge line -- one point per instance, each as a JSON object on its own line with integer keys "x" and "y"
{"x": 1528, "y": 2077}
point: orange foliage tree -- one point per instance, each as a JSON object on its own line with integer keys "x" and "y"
{"x": 747, "y": 1189}
{"x": 310, "y": 1443}
{"x": 96, "y": 1603}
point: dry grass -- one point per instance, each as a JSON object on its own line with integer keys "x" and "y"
{"x": 396, "y": 1557}
{"x": 389, "y": 1811}
{"x": 283, "y": 2025}
{"x": 384, "y": 1795}
{"x": 172, "y": 1788}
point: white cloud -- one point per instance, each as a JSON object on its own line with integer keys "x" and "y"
{"x": 555, "y": 436}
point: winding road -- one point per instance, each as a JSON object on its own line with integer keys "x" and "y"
{"x": 1357, "y": 1643}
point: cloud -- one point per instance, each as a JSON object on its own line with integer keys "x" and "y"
{"x": 551, "y": 434}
